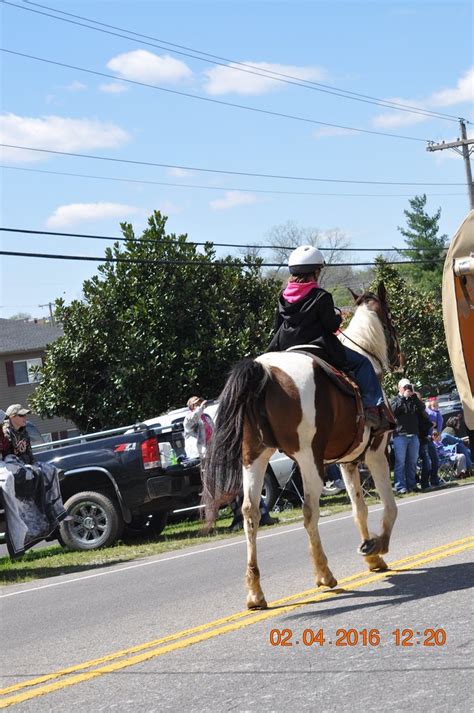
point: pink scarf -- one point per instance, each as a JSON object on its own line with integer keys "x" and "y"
{"x": 295, "y": 291}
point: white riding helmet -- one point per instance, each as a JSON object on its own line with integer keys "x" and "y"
{"x": 305, "y": 259}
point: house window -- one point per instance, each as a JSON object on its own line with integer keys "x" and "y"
{"x": 22, "y": 371}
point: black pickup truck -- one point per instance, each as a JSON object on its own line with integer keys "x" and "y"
{"x": 109, "y": 481}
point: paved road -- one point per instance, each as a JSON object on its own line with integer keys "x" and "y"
{"x": 229, "y": 664}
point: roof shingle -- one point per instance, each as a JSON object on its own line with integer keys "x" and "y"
{"x": 18, "y": 336}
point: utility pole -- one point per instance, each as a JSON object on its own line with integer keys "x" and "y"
{"x": 50, "y": 305}
{"x": 461, "y": 146}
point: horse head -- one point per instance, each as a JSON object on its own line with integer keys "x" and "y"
{"x": 378, "y": 303}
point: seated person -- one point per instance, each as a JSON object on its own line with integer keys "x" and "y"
{"x": 14, "y": 438}
{"x": 448, "y": 438}
{"x": 446, "y": 451}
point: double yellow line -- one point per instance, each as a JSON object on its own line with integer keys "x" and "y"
{"x": 35, "y": 687}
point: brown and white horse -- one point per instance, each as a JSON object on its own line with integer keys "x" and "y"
{"x": 284, "y": 400}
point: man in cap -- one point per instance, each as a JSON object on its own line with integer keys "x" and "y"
{"x": 15, "y": 439}
{"x": 409, "y": 412}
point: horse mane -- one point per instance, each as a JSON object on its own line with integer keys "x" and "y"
{"x": 366, "y": 329}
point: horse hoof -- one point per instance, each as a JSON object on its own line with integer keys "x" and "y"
{"x": 330, "y": 582}
{"x": 369, "y": 547}
{"x": 256, "y": 603}
{"x": 377, "y": 564}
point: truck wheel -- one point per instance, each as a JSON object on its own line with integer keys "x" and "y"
{"x": 270, "y": 490}
{"x": 96, "y": 521}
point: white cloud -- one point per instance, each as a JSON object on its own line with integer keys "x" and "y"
{"x": 144, "y": 66}
{"x": 75, "y": 86}
{"x": 328, "y": 131}
{"x": 462, "y": 93}
{"x": 392, "y": 119}
{"x": 74, "y": 213}
{"x": 113, "y": 88}
{"x": 56, "y": 133}
{"x": 179, "y": 172}
{"x": 232, "y": 199}
{"x": 226, "y": 80}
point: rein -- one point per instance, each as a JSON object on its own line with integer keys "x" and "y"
{"x": 364, "y": 350}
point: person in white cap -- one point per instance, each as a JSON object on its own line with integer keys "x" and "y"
{"x": 306, "y": 315}
{"x": 409, "y": 412}
{"x": 14, "y": 436}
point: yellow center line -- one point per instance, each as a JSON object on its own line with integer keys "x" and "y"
{"x": 218, "y": 627}
{"x": 202, "y": 627}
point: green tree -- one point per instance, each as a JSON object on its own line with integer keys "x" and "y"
{"x": 149, "y": 332}
{"x": 418, "y": 318}
{"x": 424, "y": 243}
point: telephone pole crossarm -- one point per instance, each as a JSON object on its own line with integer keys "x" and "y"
{"x": 463, "y": 146}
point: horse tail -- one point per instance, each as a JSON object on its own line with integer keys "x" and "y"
{"x": 222, "y": 468}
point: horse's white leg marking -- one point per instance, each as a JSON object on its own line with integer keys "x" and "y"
{"x": 350, "y": 474}
{"x": 253, "y": 476}
{"x": 379, "y": 467}
{"x": 313, "y": 486}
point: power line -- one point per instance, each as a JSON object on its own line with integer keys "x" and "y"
{"x": 237, "y": 66}
{"x": 199, "y": 263}
{"x": 209, "y": 242}
{"x": 233, "y": 105}
{"x": 219, "y": 188}
{"x": 223, "y": 171}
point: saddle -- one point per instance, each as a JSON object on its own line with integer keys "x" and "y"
{"x": 345, "y": 384}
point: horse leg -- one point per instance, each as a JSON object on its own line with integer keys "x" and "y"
{"x": 377, "y": 462}
{"x": 370, "y": 546}
{"x": 253, "y": 474}
{"x": 313, "y": 486}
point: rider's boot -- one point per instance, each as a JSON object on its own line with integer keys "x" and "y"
{"x": 372, "y": 417}
{"x": 379, "y": 419}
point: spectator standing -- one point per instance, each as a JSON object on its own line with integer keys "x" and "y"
{"x": 428, "y": 452}
{"x": 434, "y": 414}
{"x": 408, "y": 410}
{"x": 14, "y": 436}
{"x": 198, "y": 428}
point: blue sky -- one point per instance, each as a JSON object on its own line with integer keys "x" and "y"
{"x": 406, "y": 52}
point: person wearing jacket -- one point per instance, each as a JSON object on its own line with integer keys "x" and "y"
{"x": 410, "y": 416}
{"x": 14, "y": 438}
{"x": 306, "y": 316}
{"x": 198, "y": 428}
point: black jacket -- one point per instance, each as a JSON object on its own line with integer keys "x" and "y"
{"x": 410, "y": 415}
{"x": 311, "y": 320}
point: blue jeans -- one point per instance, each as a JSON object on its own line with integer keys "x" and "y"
{"x": 429, "y": 464}
{"x": 365, "y": 377}
{"x": 406, "y": 449}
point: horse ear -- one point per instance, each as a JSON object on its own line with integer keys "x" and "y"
{"x": 355, "y": 296}
{"x": 381, "y": 292}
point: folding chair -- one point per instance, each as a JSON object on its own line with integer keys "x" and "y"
{"x": 366, "y": 481}
{"x": 447, "y": 471}
{"x": 291, "y": 487}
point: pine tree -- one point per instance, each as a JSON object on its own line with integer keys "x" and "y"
{"x": 424, "y": 243}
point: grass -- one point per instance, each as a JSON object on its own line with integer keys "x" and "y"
{"x": 55, "y": 561}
